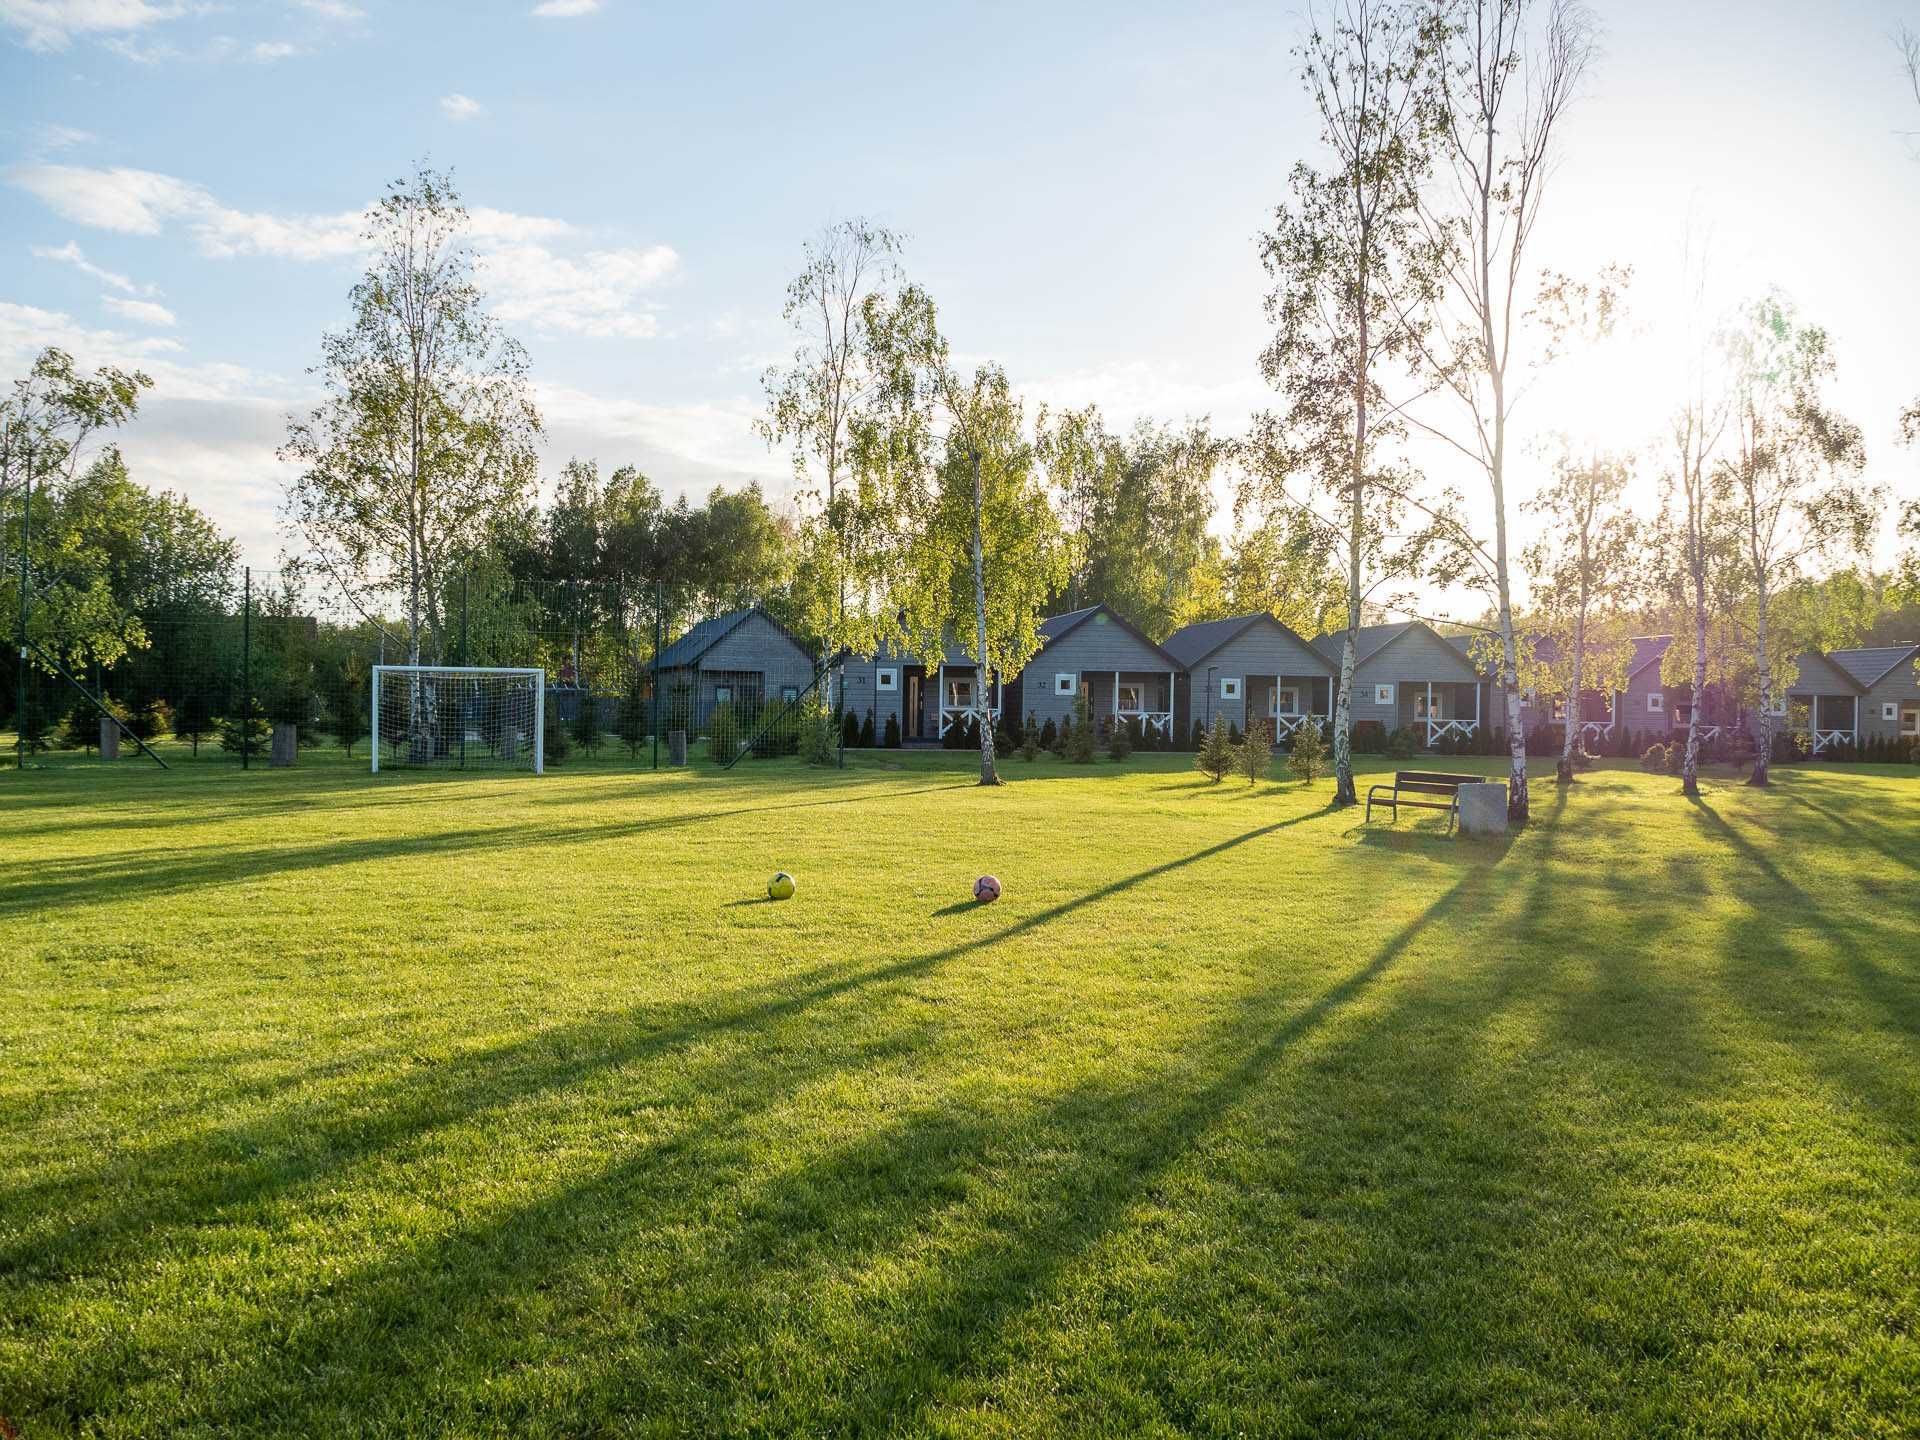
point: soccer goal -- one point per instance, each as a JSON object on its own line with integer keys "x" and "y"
{"x": 459, "y": 717}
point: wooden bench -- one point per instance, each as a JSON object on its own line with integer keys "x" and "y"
{"x": 1442, "y": 786}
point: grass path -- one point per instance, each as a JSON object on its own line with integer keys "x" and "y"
{"x": 377, "y": 1105}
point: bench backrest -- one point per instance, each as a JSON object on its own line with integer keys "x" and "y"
{"x": 1432, "y": 782}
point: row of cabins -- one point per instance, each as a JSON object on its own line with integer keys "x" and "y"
{"x": 1253, "y": 667}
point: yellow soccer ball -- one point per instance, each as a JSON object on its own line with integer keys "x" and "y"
{"x": 780, "y": 887}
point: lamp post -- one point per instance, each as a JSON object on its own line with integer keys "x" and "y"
{"x": 1210, "y": 670}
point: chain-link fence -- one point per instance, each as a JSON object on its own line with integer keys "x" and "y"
{"x": 233, "y": 673}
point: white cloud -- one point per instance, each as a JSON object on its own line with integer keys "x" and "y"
{"x": 52, "y": 24}
{"x": 144, "y": 312}
{"x": 597, "y": 294}
{"x": 565, "y": 9}
{"x": 336, "y": 10}
{"x": 461, "y": 107}
{"x": 48, "y": 136}
{"x": 142, "y": 202}
{"x": 266, "y": 52}
{"x": 538, "y": 268}
{"x": 70, "y": 254}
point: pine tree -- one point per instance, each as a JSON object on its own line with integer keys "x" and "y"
{"x": 193, "y": 718}
{"x": 1307, "y": 755}
{"x": 1256, "y": 752}
{"x": 1079, "y": 745}
{"x": 586, "y": 723}
{"x": 1215, "y": 755}
{"x": 635, "y": 720}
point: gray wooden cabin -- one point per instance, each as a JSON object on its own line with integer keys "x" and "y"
{"x": 1094, "y": 651}
{"x": 1842, "y": 697}
{"x": 1247, "y": 668}
{"x": 924, "y": 701}
{"x": 1407, "y": 676}
{"x": 745, "y": 658}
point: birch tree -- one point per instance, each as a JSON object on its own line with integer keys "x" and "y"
{"x": 1583, "y": 570}
{"x": 425, "y": 436}
{"x": 1349, "y": 290}
{"x": 1793, "y": 471}
{"x": 982, "y": 549}
{"x": 818, "y": 406}
{"x": 1506, "y": 74}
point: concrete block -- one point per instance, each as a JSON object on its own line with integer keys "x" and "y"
{"x": 286, "y": 745}
{"x": 676, "y": 747}
{"x": 1483, "y": 809}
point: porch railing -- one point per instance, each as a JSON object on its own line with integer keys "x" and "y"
{"x": 952, "y": 715}
{"x": 1824, "y": 738}
{"x": 1158, "y": 720}
{"x": 1436, "y": 729}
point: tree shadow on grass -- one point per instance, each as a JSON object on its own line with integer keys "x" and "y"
{"x": 981, "y": 1209}
{"x": 81, "y": 1218}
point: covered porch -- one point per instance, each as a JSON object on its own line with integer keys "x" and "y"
{"x": 1436, "y": 709}
{"x": 954, "y": 687}
{"x": 1829, "y": 720}
{"x": 1289, "y": 701}
{"x": 1126, "y": 695}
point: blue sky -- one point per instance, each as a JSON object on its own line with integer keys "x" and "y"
{"x": 1081, "y": 185}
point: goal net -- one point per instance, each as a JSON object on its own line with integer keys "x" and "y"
{"x": 459, "y": 717}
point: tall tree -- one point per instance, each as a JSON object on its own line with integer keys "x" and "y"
{"x": 1583, "y": 570}
{"x": 1350, "y": 288}
{"x": 1283, "y": 568}
{"x": 426, "y": 433}
{"x": 984, "y": 551}
{"x": 1793, "y": 470}
{"x": 821, "y": 405}
{"x": 1506, "y": 73}
{"x": 1908, "y": 521}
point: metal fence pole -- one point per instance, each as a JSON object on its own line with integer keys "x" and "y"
{"x": 246, "y": 673}
{"x": 26, "y": 523}
{"x": 464, "y": 660}
{"x": 659, "y": 607}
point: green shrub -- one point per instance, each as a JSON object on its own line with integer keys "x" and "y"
{"x": 553, "y": 734}
{"x": 723, "y": 732}
{"x": 1400, "y": 744}
{"x": 817, "y": 736}
{"x": 893, "y": 732}
{"x": 1256, "y": 752}
{"x": 1215, "y": 755}
{"x": 1119, "y": 740}
{"x": 867, "y": 735}
{"x": 245, "y": 731}
{"x": 193, "y": 720}
{"x": 586, "y": 723}
{"x": 1049, "y": 735}
{"x": 850, "y": 730}
{"x": 1307, "y": 754}
{"x": 1653, "y": 759}
{"x": 1079, "y": 743}
{"x": 1030, "y": 739}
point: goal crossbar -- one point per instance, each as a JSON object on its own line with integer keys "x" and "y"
{"x": 418, "y": 684}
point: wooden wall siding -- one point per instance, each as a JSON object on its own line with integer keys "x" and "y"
{"x": 1096, "y": 649}
{"x": 1259, "y": 658}
{"x": 1901, "y": 690}
{"x": 759, "y": 645}
{"x": 1415, "y": 658}
{"x": 1634, "y": 713}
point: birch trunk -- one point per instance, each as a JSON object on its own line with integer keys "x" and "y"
{"x": 988, "y": 775}
{"x": 1764, "y": 754}
{"x": 1690, "y": 766}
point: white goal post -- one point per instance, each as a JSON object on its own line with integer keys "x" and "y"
{"x": 460, "y": 717}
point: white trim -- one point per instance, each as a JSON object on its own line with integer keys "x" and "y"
{"x": 1824, "y": 738}
{"x": 887, "y": 679}
{"x": 1383, "y": 694}
{"x": 1230, "y": 687}
{"x": 1065, "y": 682}
{"x": 1656, "y": 702}
{"x": 1437, "y": 728}
{"x": 1890, "y": 710}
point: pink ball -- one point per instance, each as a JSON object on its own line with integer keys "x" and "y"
{"x": 986, "y": 889}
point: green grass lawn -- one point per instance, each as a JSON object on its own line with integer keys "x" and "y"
{"x": 345, "y": 1105}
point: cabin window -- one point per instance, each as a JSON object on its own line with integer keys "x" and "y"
{"x": 1383, "y": 694}
{"x": 1283, "y": 700}
{"x": 1656, "y": 702}
{"x": 886, "y": 679}
{"x": 1778, "y": 706}
{"x": 1889, "y": 710}
{"x": 789, "y": 693}
{"x": 1131, "y": 700}
{"x": 723, "y": 694}
{"x": 1557, "y": 710}
{"x": 1910, "y": 719}
{"x": 1229, "y": 687}
{"x": 1064, "y": 684}
{"x": 959, "y": 692}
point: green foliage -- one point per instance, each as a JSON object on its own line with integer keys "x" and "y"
{"x": 1215, "y": 757}
{"x": 587, "y": 730}
{"x": 818, "y": 737}
{"x": 1030, "y": 742}
{"x": 1078, "y": 742}
{"x": 1307, "y": 752}
{"x": 557, "y": 744}
{"x": 893, "y": 732}
{"x": 850, "y": 730}
{"x": 1400, "y": 743}
{"x": 1119, "y": 739}
{"x": 1255, "y": 754}
{"x": 867, "y": 740}
{"x": 245, "y": 730}
{"x": 634, "y": 722}
{"x": 193, "y": 718}
{"x": 723, "y": 732}
{"x": 1653, "y": 759}
{"x": 1050, "y": 735}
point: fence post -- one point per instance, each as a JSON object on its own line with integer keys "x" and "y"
{"x": 659, "y": 626}
{"x": 26, "y": 524}
{"x": 246, "y": 672}
{"x": 465, "y": 573}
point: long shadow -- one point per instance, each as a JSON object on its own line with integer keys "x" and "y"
{"x": 1097, "y": 1149}
{"x": 110, "y": 877}
{"x": 326, "y": 1138}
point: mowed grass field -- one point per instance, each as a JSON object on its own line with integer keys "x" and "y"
{"x": 334, "y": 1104}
